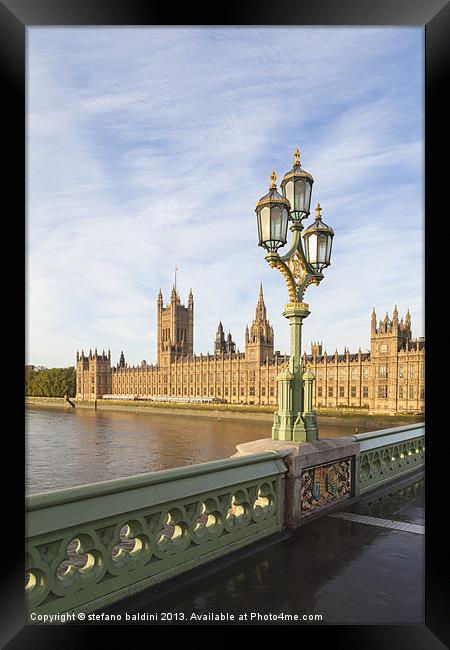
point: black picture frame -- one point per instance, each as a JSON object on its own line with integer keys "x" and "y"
{"x": 434, "y": 16}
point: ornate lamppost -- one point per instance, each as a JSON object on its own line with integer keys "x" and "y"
{"x": 295, "y": 419}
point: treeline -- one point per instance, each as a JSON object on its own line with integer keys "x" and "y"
{"x": 54, "y": 382}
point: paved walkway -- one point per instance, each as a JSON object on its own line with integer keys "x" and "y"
{"x": 364, "y": 565}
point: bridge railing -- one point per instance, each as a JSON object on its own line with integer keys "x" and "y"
{"x": 389, "y": 454}
{"x": 92, "y": 545}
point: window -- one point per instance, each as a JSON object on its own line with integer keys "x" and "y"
{"x": 354, "y": 373}
{"x": 218, "y": 390}
{"x": 225, "y": 390}
{"x": 263, "y": 391}
{"x": 401, "y": 371}
{"x": 330, "y": 391}
{"x": 382, "y": 392}
{"x": 412, "y": 372}
{"x": 272, "y": 391}
{"x": 383, "y": 348}
{"x": 365, "y": 373}
{"x": 319, "y": 391}
{"x": 422, "y": 392}
{"x": 365, "y": 391}
{"x": 242, "y": 390}
{"x": 400, "y": 392}
{"x": 234, "y": 390}
{"x": 422, "y": 370}
{"x": 382, "y": 373}
{"x": 331, "y": 375}
{"x": 341, "y": 373}
{"x": 341, "y": 391}
{"x": 353, "y": 391}
{"x": 411, "y": 392}
{"x": 252, "y": 391}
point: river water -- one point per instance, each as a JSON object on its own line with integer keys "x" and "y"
{"x": 67, "y": 448}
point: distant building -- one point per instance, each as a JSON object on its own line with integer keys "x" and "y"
{"x": 388, "y": 379}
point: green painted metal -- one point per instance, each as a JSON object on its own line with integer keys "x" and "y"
{"x": 389, "y": 454}
{"x": 89, "y": 546}
{"x": 290, "y": 422}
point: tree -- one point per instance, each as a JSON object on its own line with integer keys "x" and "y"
{"x": 54, "y": 382}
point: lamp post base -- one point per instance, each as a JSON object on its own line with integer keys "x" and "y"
{"x": 301, "y": 427}
{"x": 288, "y": 426}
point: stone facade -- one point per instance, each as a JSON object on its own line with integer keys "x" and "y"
{"x": 388, "y": 379}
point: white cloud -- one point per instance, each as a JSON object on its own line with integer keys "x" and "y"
{"x": 150, "y": 148}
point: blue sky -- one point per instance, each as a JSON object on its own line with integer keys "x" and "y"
{"x": 150, "y": 147}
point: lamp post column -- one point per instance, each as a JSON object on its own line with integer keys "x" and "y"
{"x": 288, "y": 420}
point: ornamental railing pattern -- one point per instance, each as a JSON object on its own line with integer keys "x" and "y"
{"x": 92, "y": 545}
{"x": 389, "y": 454}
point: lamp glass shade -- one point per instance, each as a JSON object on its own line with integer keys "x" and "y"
{"x": 311, "y": 249}
{"x": 330, "y": 243}
{"x": 322, "y": 249}
{"x": 318, "y": 248}
{"x": 302, "y": 195}
{"x": 297, "y": 189}
{"x": 264, "y": 219}
{"x": 272, "y": 221}
{"x": 289, "y": 191}
{"x": 276, "y": 224}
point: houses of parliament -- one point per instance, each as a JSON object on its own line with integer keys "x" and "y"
{"x": 389, "y": 379}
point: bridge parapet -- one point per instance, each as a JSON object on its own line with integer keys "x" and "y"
{"x": 389, "y": 454}
{"x": 92, "y": 545}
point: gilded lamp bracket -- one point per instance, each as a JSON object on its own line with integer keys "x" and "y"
{"x": 294, "y": 267}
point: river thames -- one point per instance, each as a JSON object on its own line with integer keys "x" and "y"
{"x": 67, "y": 448}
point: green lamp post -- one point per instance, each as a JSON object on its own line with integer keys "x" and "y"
{"x": 294, "y": 419}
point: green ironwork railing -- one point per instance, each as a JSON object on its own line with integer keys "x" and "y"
{"x": 92, "y": 545}
{"x": 389, "y": 454}
{"x": 89, "y": 546}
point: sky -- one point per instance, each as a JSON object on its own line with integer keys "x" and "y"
{"x": 148, "y": 148}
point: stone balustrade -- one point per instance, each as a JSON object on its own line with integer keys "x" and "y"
{"x": 92, "y": 545}
{"x": 390, "y": 453}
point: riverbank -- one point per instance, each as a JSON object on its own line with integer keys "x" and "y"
{"x": 222, "y": 411}
{"x": 49, "y": 402}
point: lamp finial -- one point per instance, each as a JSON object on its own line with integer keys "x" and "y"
{"x": 318, "y": 212}
{"x": 273, "y": 178}
{"x": 297, "y": 158}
